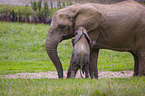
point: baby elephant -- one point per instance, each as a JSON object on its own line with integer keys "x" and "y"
{"x": 81, "y": 52}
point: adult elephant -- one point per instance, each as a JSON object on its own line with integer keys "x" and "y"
{"x": 118, "y": 27}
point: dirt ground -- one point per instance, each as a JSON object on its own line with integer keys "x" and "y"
{"x": 53, "y": 75}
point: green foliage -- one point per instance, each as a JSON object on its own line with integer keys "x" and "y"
{"x": 59, "y": 5}
{"x": 23, "y": 10}
{"x": 73, "y": 87}
{"x": 46, "y": 9}
{"x": 28, "y": 14}
{"x": 52, "y": 11}
{"x": 63, "y": 5}
{"x": 51, "y": 4}
{"x": 31, "y": 13}
{"x": 39, "y": 5}
{"x": 34, "y": 5}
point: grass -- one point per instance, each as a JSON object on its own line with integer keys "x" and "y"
{"x": 73, "y": 87}
{"x": 115, "y": 61}
{"x": 23, "y": 50}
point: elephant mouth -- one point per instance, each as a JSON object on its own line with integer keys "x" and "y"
{"x": 69, "y": 34}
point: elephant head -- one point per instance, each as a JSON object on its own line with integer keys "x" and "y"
{"x": 64, "y": 22}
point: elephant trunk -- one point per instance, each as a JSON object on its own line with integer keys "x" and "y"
{"x": 51, "y": 48}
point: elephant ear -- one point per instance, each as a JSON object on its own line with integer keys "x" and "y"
{"x": 87, "y": 16}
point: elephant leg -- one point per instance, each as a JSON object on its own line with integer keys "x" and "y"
{"x": 141, "y": 66}
{"x": 139, "y": 56}
{"x": 74, "y": 69}
{"x": 69, "y": 72}
{"x": 93, "y": 64}
{"x": 73, "y": 73}
{"x": 136, "y": 65}
{"x": 69, "y": 69}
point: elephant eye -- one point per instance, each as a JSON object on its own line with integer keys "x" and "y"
{"x": 62, "y": 27}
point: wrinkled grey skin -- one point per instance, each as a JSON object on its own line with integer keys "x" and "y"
{"x": 119, "y": 27}
{"x": 81, "y": 52}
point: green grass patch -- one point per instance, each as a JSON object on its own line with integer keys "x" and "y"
{"x": 115, "y": 61}
{"x": 73, "y": 87}
{"x": 22, "y": 49}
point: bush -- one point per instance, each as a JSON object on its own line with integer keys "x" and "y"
{"x": 28, "y": 14}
